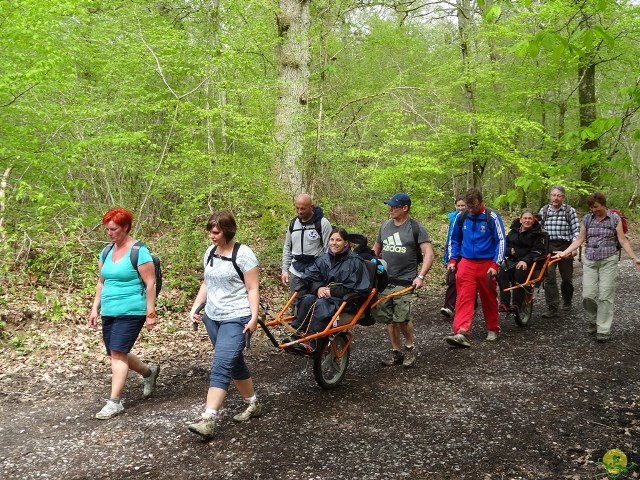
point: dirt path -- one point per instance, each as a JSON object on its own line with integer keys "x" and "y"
{"x": 544, "y": 402}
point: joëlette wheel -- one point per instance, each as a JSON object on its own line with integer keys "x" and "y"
{"x": 331, "y": 364}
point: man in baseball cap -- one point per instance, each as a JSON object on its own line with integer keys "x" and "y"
{"x": 404, "y": 244}
{"x": 399, "y": 200}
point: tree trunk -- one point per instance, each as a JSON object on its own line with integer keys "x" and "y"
{"x": 294, "y": 20}
{"x": 3, "y": 189}
{"x": 588, "y": 114}
{"x": 464, "y": 15}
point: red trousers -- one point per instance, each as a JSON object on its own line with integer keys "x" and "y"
{"x": 471, "y": 279}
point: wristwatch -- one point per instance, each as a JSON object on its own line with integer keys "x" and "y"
{"x": 151, "y": 315}
{"x": 421, "y": 277}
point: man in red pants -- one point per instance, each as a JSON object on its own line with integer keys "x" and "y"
{"x": 477, "y": 246}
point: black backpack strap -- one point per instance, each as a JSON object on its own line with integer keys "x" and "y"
{"x": 318, "y": 226}
{"x": 212, "y": 254}
{"x": 488, "y": 218}
{"x": 587, "y": 224}
{"x": 233, "y": 259}
{"x": 487, "y": 212}
{"x": 567, "y": 214}
{"x": 135, "y": 254}
{"x": 462, "y": 218}
{"x": 545, "y": 213}
{"x": 415, "y": 229}
{"x": 105, "y": 251}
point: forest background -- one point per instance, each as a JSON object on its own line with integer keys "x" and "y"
{"x": 175, "y": 109}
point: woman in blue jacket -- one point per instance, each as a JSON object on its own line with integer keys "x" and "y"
{"x": 450, "y": 296}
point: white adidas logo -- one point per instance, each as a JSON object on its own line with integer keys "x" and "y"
{"x": 393, "y": 244}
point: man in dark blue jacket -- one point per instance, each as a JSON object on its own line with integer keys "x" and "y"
{"x": 477, "y": 246}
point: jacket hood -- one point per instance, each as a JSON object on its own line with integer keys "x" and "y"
{"x": 317, "y": 215}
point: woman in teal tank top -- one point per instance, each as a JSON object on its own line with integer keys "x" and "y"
{"x": 125, "y": 298}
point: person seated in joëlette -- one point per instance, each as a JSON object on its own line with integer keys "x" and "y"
{"x": 333, "y": 275}
{"x": 525, "y": 242}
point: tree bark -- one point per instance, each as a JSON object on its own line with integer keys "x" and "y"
{"x": 294, "y": 20}
{"x": 588, "y": 114}
{"x": 464, "y": 15}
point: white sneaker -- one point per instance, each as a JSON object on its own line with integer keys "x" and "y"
{"x": 254, "y": 410}
{"x": 110, "y": 410}
{"x": 149, "y": 383}
{"x": 446, "y": 312}
{"x": 492, "y": 336}
{"x": 458, "y": 340}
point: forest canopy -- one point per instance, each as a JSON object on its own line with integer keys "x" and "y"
{"x": 177, "y": 108}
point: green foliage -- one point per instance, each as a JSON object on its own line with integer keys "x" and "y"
{"x": 19, "y": 343}
{"x": 168, "y": 110}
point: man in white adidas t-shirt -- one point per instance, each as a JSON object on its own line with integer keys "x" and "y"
{"x": 398, "y": 242}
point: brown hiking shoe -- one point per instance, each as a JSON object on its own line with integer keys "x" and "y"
{"x": 395, "y": 358}
{"x": 409, "y": 357}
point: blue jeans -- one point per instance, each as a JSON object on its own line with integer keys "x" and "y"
{"x": 228, "y": 341}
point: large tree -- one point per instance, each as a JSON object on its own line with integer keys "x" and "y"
{"x": 294, "y": 21}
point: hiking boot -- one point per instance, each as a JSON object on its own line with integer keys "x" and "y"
{"x": 551, "y": 313}
{"x": 149, "y": 383}
{"x": 206, "y": 427}
{"x": 110, "y": 410}
{"x": 602, "y": 337}
{"x": 492, "y": 336}
{"x": 446, "y": 312}
{"x": 254, "y": 410}
{"x": 566, "y": 307}
{"x": 503, "y": 308}
{"x": 458, "y": 340}
{"x": 592, "y": 329}
{"x": 409, "y": 357}
{"x": 395, "y": 358}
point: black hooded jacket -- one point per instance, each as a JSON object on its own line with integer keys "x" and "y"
{"x": 343, "y": 273}
{"x": 526, "y": 245}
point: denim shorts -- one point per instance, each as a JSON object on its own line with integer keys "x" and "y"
{"x": 228, "y": 341}
{"x": 121, "y": 332}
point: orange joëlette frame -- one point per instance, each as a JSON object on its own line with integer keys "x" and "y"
{"x": 283, "y": 319}
{"x": 530, "y": 281}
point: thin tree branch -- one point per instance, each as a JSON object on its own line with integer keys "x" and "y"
{"x": 159, "y": 67}
{"x": 16, "y": 97}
